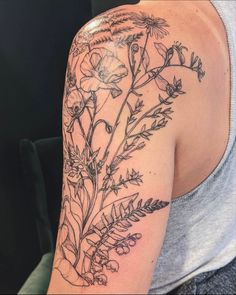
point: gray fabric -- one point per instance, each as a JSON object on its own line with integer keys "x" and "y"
{"x": 201, "y": 234}
{"x": 215, "y": 282}
{"x": 38, "y": 281}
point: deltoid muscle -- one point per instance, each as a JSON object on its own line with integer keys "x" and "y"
{"x": 97, "y": 212}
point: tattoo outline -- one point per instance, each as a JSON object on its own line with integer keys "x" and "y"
{"x": 81, "y": 226}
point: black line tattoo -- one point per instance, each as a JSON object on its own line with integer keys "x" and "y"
{"x": 89, "y": 221}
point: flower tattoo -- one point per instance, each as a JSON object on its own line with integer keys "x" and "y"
{"x": 102, "y": 70}
{"x": 98, "y": 211}
{"x": 154, "y": 25}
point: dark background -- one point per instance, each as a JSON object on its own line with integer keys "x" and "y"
{"x": 35, "y": 37}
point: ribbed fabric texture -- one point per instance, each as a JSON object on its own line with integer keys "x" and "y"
{"x": 201, "y": 230}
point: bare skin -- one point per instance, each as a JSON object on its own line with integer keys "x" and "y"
{"x": 210, "y": 105}
{"x": 143, "y": 123}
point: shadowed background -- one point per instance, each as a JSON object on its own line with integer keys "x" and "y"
{"x": 35, "y": 40}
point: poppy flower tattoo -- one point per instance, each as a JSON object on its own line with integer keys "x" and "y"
{"x": 102, "y": 70}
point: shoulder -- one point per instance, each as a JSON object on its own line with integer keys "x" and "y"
{"x": 134, "y": 46}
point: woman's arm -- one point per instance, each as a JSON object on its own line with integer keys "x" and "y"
{"x": 119, "y": 136}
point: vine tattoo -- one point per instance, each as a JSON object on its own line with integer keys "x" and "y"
{"x": 95, "y": 215}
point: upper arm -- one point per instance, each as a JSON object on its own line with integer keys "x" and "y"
{"x": 119, "y": 138}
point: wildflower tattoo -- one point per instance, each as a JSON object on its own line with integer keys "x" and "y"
{"x": 94, "y": 215}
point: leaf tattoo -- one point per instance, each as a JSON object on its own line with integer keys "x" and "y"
{"x": 95, "y": 220}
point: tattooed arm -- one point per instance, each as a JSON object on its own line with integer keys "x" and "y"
{"x": 119, "y": 147}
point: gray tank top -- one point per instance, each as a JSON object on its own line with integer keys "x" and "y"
{"x": 201, "y": 233}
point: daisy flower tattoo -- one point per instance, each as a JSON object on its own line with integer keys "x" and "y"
{"x": 154, "y": 25}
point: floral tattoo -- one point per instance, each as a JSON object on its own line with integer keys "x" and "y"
{"x": 95, "y": 219}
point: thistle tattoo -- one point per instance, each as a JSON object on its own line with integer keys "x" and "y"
{"x": 95, "y": 219}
